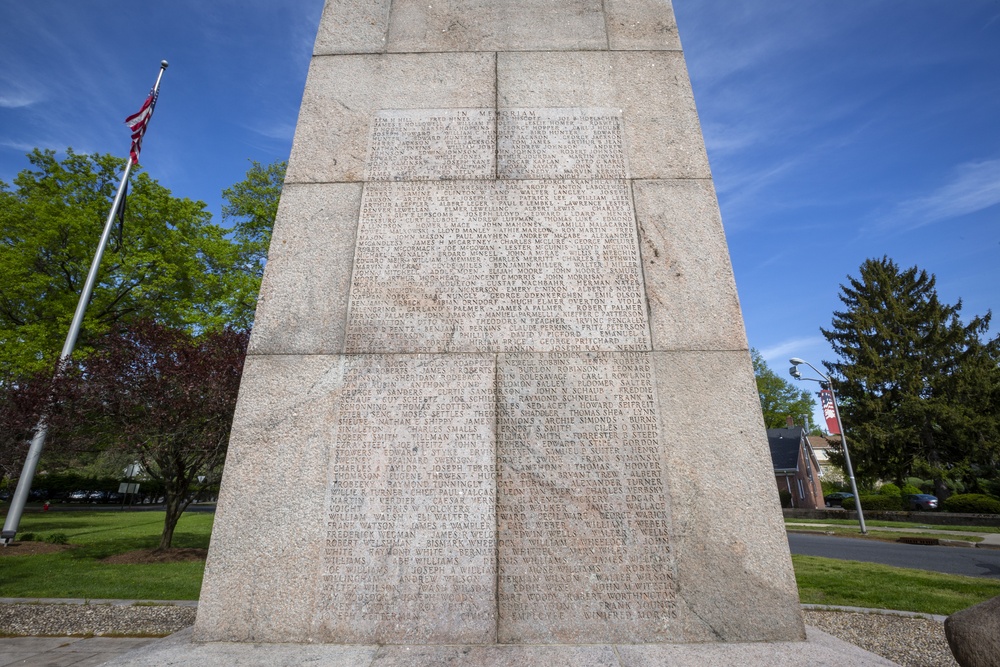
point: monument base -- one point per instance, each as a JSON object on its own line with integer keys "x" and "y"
{"x": 818, "y": 650}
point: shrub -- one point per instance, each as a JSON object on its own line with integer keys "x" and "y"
{"x": 57, "y": 538}
{"x": 890, "y": 489}
{"x": 972, "y": 503}
{"x": 785, "y": 497}
{"x": 910, "y": 490}
{"x": 878, "y": 502}
{"x": 27, "y": 537}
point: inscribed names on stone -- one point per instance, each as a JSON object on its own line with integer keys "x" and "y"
{"x": 410, "y": 540}
{"x": 431, "y": 144}
{"x": 582, "y": 518}
{"x": 485, "y": 266}
{"x": 560, "y": 143}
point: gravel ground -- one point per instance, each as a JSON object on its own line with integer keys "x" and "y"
{"x": 911, "y": 642}
{"x": 908, "y": 641}
{"x": 93, "y": 619}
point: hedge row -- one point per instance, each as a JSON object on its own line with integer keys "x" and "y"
{"x": 963, "y": 503}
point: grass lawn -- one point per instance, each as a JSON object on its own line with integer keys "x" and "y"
{"x": 854, "y": 584}
{"x": 875, "y": 533}
{"x": 898, "y": 524}
{"x": 79, "y": 572}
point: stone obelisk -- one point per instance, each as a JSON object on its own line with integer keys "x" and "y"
{"x": 499, "y": 390}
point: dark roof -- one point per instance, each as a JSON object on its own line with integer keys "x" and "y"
{"x": 785, "y": 444}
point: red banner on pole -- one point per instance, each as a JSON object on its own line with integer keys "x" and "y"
{"x": 829, "y": 412}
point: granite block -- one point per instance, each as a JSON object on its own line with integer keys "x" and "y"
{"x": 488, "y": 25}
{"x": 410, "y": 549}
{"x": 496, "y": 656}
{"x": 734, "y": 573}
{"x": 487, "y": 266}
{"x": 820, "y": 650}
{"x": 302, "y": 307}
{"x": 348, "y": 26}
{"x": 432, "y": 144}
{"x": 693, "y": 304}
{"x": 560, "y": 144}
{"x": 583, "y": 520}
{"x": 651, "y": 88}
{"x": 641, "y": 25}
{"x": 178, "y": 650}
{"x": 343, "y": 94}
{"x": 264, "y": 563}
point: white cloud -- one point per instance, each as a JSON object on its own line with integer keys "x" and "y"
{"x": 785, "y": 349}
{"x": 974, "y": 186}
{"x": 16, "y": 101}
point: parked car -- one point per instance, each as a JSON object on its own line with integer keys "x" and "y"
{"x": 921, "y": 501}
{"x": 836, "y": 499}
{"x": 97, "y": 496}
{"x": 78, "y": 497}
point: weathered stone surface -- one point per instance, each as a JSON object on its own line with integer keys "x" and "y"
{"x": 974, "y": 634}
{"x": 662, "y": 133}
{"x": 343, "y": 94}
{"x": 262, "y": 571}
{"x": 469, "y": 266}
{"x": 348, "y": 26}
{"x": 734, "y": 573}
{"x": 302, "y": 308}
{"x": 499, "y": 391}
{"x": 820, "y": 650}
{"x": 641, "y": 25}
{"x": 583, "y": 513}
{"x": 497, "y": 656}
{"x": 410, "y": 551}
{"x": 432, "y": 144}
{"x": 487, "y": 25}
{"x": 693, "y": 304}
{"x": 560, "y": 143}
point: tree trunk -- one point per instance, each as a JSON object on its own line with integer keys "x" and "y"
{"x": 175, "y": 507}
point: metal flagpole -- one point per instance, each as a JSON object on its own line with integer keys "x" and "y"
{"x": 41, "y": 431}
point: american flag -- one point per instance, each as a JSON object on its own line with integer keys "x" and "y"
{"x": 138, "y": 121}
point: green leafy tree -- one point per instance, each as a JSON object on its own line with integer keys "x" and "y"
{"x": 173, "y": 264}
{"x": 779, "y": 398}
{"x": 250, "y": 209}
{"x": 159, "y": 394}
{"x": 917, "y": 386}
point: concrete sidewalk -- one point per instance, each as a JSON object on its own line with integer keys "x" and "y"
{"x": 67, "y": 651}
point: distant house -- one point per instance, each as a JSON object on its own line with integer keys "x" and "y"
{"x": 822, "y": 447}
{"x": 796, "y": 468}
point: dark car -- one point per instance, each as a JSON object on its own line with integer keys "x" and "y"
{"x": 836, "y": 499}
{"x": 78, "y": 497}
{"x": 921, "y": 501}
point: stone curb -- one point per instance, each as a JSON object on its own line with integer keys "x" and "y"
{"x": 116, "y": 603}
{"x": 194, "y": 603}
{"x": 869, "y": 610}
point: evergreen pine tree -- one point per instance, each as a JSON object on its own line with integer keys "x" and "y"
{"x": 910, "y": 375}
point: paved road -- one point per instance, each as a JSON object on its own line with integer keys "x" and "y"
{"x": 950, "y": 560}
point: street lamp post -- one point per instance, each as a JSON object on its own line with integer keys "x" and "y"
{"x": 826, "y": 383}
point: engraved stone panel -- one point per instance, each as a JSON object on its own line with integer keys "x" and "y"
{"x": 496, "y": 266}
{"x": 431, "y": 144}
{"x": 662, "y": 134}
{"x": 410, "y": 524}
{"x": 560, "y": 143}
{"x": 343, "y": 93}
{"x": 583, "y": 526}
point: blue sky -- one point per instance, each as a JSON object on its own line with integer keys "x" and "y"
{"x": 836, "y": 131}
